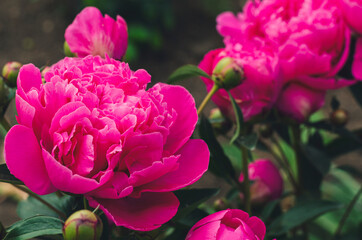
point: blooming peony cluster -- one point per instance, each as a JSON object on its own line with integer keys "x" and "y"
{"x": 309, "y": 40}
{"x": 92, "y": 128}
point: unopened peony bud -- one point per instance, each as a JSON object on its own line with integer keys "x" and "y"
{"x": 227, "y": 73}
{"x": 221, "y": 204}
{"x": 265, "y": 130}
{"x": 10, "y": 73}
{"x": 83, "y": 225}
{"x": 67, "y": 51}
{"x": 339, "y": 117}
{"x": 218, "y": 121}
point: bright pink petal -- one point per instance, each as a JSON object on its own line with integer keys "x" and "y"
{"x": 146, "y": 213}
{"x": 357, "y": 60}
{"x": 29, "y": 77}
{"x": 27, "y": 164}
{"x": 194, "y": 153}
{"x": 179, "y": 99}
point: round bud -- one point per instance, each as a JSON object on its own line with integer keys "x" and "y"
{"x": 339, "y": 117}
{"x": 221, "y": 204}
{"x": 10, "y": 73}
{"x": 83, "y": 225}
{"x": 67, "y": 50}
{"x": 227, "y": 74}
{"x": 265, "y": 130}
{"x": 219, "y": 122}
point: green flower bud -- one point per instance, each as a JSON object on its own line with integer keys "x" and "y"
{"x": 83, "y": 225}
{"x": 67, "y": 51}
{"x": 339, "y": 117}
{"x": 10, "y": 73}
{"x": 227, "y": 74}
{"x": 265, "y": 130}
{"x": 220, "y": 124}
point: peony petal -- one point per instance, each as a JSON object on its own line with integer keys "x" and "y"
{"x": 146, "y": 213}
{"x": 29, "y": 77}
{"x": 179, "y": 99}
{"x": 27, "y": 164}
{"x": 357, "y": 60}
{"x": 193, "y": 163}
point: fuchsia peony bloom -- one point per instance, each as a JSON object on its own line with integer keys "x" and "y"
{"x": 93, "y": 129}
{"x": 227, "y": 225}
{"x": 310, "y": 38}
{"x": 92, "y": 34}
{"x": 260, "y": 86}
{"x": 268, "y": 183}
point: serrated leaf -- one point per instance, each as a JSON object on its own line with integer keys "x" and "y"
{"x": 300, "y": 214}
{"x": 220, "y": 164}
{"x": 31, "y": 206}
{"x": 6, "y": 176}
{"x": 34, "y": 227}
{"x": 186, "y": 72}
{"x": 239, "y": 119}
{"x": 190, "y": 199}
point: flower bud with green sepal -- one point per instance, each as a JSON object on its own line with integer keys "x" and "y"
{"x": 67, "y": 50}
{"x": 83, "y": 225}
{"x": 10, "y": 73}
{"x": 227, "y": 73}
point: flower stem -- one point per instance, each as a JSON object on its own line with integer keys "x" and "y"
{"x": 295, "y": 136}
{"x": 26, "y": 190}
{"x": 207, "y": 98}
{"x": 246, "y": 183}
{"x": 346, "y": 214}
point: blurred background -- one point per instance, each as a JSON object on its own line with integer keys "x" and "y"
{"x": 163, "y": 35}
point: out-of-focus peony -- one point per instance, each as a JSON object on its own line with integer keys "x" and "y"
{"x": 310, "y": 38}
{"x": 267, "y": 182}
{"x": 92, "y": 34}
{"x": 352, "y": 10}
{"x": 93, "y": 129}
{"x": 260, "y": 84}
{"x": 226, "y": 225}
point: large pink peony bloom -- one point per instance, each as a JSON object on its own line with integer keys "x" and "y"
{"x": 93, "y": 129}
{"x": 226, "y": 225}
{"x": 267, "y": 182}
{"x": 260, "y": 86}
{"x": 310, "y": 38}
{"x": 92, "y": 34}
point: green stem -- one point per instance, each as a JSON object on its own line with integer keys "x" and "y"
{"x": 61, "y": 214}
{"x": 295, "y": 136}
{"x": 85, "y": 203}
{"x": 246, "y": 183}
{"x": 207, "y": 98}
{"x": 346, "y": 214}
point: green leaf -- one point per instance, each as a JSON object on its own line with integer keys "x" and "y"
{"x": 318, "y": 159}
{"x": 220, "y": 164}
{"x": 239, "y": 118}
{"x": 300, "y": 214}
{"x": 31, "y": 206}
{"x": 6, "y": 176}
{"x": 34, "y": 227}
{"x": 248, "y": 141}
{"x": 340, "y": 146}
{"x": 2, "y": 231}
{"x": 190, "y": 199}
{"x": 186, "y": 72}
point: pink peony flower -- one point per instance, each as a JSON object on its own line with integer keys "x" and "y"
{"x": 92, "y": 34}
{"x": 260, "y": 86}
{"x": 226, "y": 225}
{"x": 267, "y": 182}
{"x": 310, "y": 38}
{"x": 93, "y": 129}
{"x": 352, "y": 10}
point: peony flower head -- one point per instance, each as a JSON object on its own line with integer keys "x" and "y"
{"x": 261, "y": 79}
{"x": 352, "y": 10}
{"x": 228, "y": 224}
{"x": 267, "y": 182}
{"x": 310, "y": 39}
{"x": 92, "y": 34}
{"x": 94, "y": 129}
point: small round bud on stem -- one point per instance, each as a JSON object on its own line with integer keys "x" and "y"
{"x": 83, "y": 225}
{"x": 221, "y": 204}
{"x": 265, "y": 130}
{"x": 227, "y": 74}
{"x": 10, "y": 73}
{"x": 219, "y": 122}
{"x": 339, "y": 117}
{"x": 67, "y": 50}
